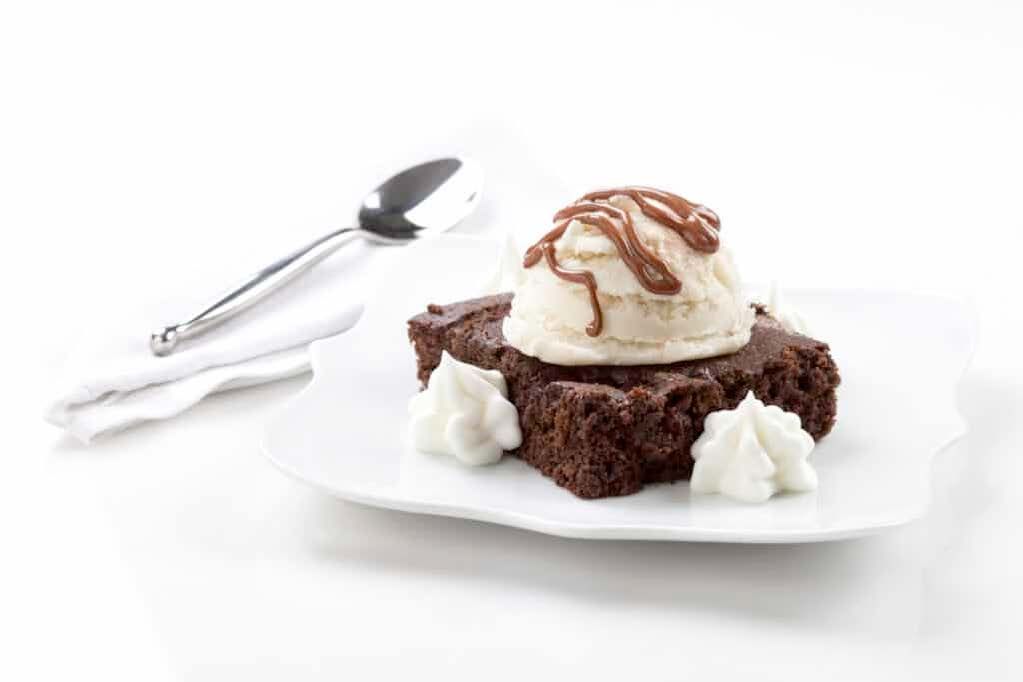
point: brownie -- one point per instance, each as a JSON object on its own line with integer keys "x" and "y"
{"x": 606, "y": 430}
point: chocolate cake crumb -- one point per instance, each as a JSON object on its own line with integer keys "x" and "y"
{"x": 601, "y": 431}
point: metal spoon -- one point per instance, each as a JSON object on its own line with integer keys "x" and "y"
{"x": 425, "y": 199}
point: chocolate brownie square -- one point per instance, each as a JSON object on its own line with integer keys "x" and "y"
{"x": 601, "y": 431}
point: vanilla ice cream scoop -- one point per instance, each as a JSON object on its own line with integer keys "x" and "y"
{"x": 629, "y": 276}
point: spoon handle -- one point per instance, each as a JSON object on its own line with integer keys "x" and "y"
{"x": 254, "y": 289}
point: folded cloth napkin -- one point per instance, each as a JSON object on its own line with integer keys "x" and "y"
{"x": 115, "y": 382}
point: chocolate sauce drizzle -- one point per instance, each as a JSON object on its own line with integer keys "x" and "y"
{"x": 696, "y": 224}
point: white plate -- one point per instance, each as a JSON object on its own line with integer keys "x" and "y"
{"x": 900, "y": 355}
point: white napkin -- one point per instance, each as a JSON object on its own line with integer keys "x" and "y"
{"x": 115, "y": 382}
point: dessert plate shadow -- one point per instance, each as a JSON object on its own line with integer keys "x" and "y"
{"x": 346, "y": 431}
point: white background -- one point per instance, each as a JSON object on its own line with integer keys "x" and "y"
{"x": 844, "y": 144}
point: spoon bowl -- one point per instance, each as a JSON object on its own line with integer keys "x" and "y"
{"x": 428, "y": 198}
